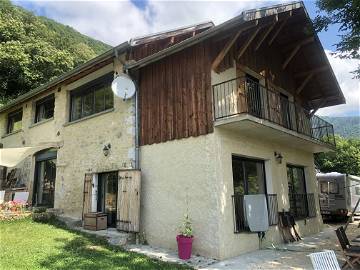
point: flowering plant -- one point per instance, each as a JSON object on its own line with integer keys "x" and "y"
{"x": 14, "y": 206}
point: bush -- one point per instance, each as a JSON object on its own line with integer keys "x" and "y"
{"x": 39, "y": 209}
{"x": 43, "y": 217}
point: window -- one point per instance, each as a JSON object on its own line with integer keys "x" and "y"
{"x": 333, "y": 188}
{"x": 92, "y": 98}
{"x": 357, "y": 190}
{"x": 302, "y": 205}
{"x": 248, "y": 176}
{"x": 324, "y": 187}
{"x": 44, "y": 108}
{"x": 14, "y": 121}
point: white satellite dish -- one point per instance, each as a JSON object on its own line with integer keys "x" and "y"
{"x": 123, "y": 86}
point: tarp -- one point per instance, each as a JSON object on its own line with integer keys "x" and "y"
{"x": 10, "y": 157}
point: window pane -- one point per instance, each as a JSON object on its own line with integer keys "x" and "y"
{"x": 255, "y": 177}
{"x": 14, "y": 121}
{"x": 100, "y": 100}
{"x": 45, "y": 109}
{"x": 109, "y": 98}
{"x": 334, "y": 188}
{"x": 324, "y": 187}
{"x": 76, "y": 107}
{"x": 357, "y": 190}
{"x": 238, "y": 176}
{"x": 299, "y": 181}
{"x": 88, "y": 104}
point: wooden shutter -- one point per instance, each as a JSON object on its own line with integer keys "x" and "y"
{"x": 87, "y": 194}
{"x": 128, "y": 214}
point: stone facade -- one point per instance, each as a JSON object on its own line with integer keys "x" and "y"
{"x": 80, "y": 142}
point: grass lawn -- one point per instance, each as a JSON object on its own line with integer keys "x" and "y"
{"x": 25, "y": 244}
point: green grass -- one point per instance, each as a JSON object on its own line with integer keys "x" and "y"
{"x": 25, "y": 244}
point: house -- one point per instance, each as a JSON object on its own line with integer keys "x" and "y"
{"x": 220, "y": 112}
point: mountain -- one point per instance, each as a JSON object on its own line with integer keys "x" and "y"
{"x": 35, "y": 49}
{"x": 346, "y": 127}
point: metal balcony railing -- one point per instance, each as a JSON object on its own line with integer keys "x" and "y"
{"x": 243, "y": 95}
{"x": 240, "y": 221}
{"x": 302, "y": 205}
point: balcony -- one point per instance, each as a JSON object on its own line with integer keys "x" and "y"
{"x": 264, "y": 112}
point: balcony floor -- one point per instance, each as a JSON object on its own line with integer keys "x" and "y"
{"x": 249, "y": 125}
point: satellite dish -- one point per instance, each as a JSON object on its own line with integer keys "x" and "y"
{"x": 123, "y": 86}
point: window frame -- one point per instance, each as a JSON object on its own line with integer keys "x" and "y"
{"x": 38, "y": 103}
{"x": 305, "y": 194}
{"x": 11, "y": 115}
{"x": 90, "y": 88}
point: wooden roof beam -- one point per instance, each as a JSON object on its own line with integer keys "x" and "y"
{"x": 314, "y": 70}
{"x": 295, "y": 50}
{"x": 279, "y": 29}
{"x": 224, "y": 51}
{"x": 248, "y": 42}
{"x": 264, "y": 36}
{"x": 304, "y": 83}
{"x": 322, "y": 103}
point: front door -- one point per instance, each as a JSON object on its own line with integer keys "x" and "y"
{"x": 107, "y": 195}
{"x": 45, "y": 175}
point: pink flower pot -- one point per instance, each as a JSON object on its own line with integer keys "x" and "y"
{"x": 184, "y": 246}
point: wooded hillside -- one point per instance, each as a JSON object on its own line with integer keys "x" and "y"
{"x": 34, "y": 50}
{"x": 346, "y": 127}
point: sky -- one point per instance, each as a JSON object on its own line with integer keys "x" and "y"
{"x": 115, "y": 21}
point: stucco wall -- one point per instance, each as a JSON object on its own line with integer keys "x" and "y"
{"x": 229, "y": 143}
{"x": 171, "y": 172}
{"x": 81, "y": 142}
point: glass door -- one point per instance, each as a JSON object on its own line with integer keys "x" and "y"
{"x": 107, "y": 196}
{"x": 45, "y": 175}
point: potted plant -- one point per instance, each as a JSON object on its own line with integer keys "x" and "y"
{"x": 185, "y": 238}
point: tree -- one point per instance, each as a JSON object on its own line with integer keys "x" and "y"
{"x": 345, "y": 14}
{"x": 34, "y": 50}
{"x": 346, "y": 158}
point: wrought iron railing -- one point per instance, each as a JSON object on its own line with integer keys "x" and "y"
{"x": 302, "y": 205}
{"x": 244, "y": 95}
{"x": 240, "y": 221}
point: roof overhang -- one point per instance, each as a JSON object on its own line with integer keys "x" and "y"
{"x": 322, "y": 92}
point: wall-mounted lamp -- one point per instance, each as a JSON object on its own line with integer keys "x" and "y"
{"x": 106, "y": 149}
{"x": 278, "y": 157}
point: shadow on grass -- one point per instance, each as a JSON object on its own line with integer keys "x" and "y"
{"x": 86, "y": 252}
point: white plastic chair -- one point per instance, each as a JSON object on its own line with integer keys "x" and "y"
{"x": 325, "y": 260}
{"x": 21, "y": 196}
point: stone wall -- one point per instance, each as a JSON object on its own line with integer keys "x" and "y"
{"x": 81, "y": 142}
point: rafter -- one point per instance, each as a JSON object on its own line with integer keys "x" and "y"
{"x": 264, "y": 36}
{"x": 248, "y": 42}
{"x": 304, "y": 83}
{"x": 279, "y": 29}
{"x": 323, "y": 102}
{"x": 225, "y": 50}
{"x": 295, "y": 50}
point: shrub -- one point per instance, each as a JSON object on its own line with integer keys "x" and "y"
{"x": 39, "y": 209}
{"x": 43, "y": 217}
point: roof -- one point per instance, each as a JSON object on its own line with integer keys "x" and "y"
{"x": 171, "y": 32}
{"x": 245, "y": 16}
{"x": 322, "y": 92}
{"x": 205, "y": 30}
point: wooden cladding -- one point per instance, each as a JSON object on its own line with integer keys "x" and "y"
{"x": 175, "y": 96}
{"x": 87, "y": 194}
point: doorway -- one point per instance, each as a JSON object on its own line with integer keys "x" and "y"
{"x": 254, "y": 96}
{"x": 285, "y": 110}
{"x": 107, "y": 196}
{"x": 45, "y": 175}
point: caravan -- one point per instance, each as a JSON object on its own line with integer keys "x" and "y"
{"x": 338, "y": 194}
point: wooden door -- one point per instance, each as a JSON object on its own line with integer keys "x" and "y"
{"x": 87, "y": 194}
{"x": 128, "y": 214}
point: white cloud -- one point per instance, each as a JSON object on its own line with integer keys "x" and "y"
{"x": 350, "y": 87}
{"x": 117, "y": 21}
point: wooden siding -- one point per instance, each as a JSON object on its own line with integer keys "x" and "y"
{"x": 175, "y": 96}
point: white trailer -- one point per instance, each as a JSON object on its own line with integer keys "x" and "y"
{"x": 338, "y": 194}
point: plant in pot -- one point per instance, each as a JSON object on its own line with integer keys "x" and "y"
{"x": 185, "y": 238}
